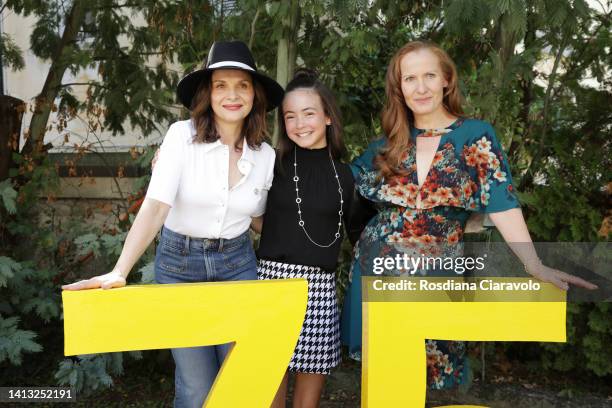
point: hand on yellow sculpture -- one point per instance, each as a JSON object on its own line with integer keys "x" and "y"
{"x": 113, "y": 279}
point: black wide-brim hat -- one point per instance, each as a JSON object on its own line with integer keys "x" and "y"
{"x": 228, "y": 55}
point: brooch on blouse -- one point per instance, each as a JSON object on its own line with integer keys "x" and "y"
{"x": 439, "y": 131}
{"x": 433, "y": 132}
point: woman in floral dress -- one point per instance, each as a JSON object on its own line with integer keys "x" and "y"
{"x": 430, "y": 172}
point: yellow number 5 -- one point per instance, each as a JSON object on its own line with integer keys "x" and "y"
{"x": 394, "y": 366}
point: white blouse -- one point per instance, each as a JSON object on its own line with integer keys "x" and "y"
{"x": 192, "y": 178}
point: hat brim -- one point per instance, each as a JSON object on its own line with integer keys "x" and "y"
{"x": 187, "y": 87}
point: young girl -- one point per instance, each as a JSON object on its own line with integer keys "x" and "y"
{"x": 427, "y": 175}
{"x": 211, "y": 180}
{"x": 309, "y": 199}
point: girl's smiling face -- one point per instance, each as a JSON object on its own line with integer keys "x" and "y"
{"x": 305, "y": 119}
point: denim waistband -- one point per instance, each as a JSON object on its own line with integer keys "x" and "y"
{"x": 217, "y": 245}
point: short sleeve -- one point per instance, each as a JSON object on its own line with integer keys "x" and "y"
{"x": 270, "y": 171}
{"x": 261, "y": 207}
{"x": 484, "y": 158}
{"x": 365, "y": 174}
{"x": 167, "y": 172}
{"x": 359, "y": 214}
{"x": 364, "y": 164}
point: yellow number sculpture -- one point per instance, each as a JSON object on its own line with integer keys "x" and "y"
{"x": 394, "y": 365}
{"x": 263, "y": 318}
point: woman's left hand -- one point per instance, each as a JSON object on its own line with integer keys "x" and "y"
{"x": 558, "y": 278}
{"x": 513, "y": 228}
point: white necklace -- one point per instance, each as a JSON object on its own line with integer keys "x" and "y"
{"x": 298, "y": 201}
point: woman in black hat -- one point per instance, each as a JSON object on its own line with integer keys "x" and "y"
{"x": 210, "y": 182}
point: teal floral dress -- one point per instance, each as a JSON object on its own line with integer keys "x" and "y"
{"x": 469, "y": 173}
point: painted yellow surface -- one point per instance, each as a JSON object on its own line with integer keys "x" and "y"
{"x": 263, "y": 318}
{"x": 394, "y": 367}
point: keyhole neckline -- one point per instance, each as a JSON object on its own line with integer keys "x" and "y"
{"x": 418, "y": 132}
{"x": 442, "y": 133}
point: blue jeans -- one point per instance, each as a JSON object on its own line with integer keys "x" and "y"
{"x": 182, "y": 259}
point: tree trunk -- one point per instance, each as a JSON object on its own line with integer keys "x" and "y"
{"x": 11, "y": 114}
{"x": 59, "y": 64}
{"x": 260, "y": 8}
{"x": 286, "y": 52}
{"x": 539, "y": 154}
{"x": 505, "y": 40}
{"x": 526, "y": 87}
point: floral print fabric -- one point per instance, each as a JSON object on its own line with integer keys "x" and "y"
{"x": 469, "y": 173}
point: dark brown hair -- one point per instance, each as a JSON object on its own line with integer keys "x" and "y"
{"x": 254, "y": 128}
{"x": 308, "y": 79}
{"x": 397, "y": 117}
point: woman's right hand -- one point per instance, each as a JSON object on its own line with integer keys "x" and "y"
{"x": 113, "y": 279}
{"x": 147, "y": 223}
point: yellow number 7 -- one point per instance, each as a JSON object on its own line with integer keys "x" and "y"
{"x": 263, "y": 318}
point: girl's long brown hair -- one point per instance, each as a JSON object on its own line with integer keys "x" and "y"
{"x": 254, "y": 128}
{"x": 397, "y": 118}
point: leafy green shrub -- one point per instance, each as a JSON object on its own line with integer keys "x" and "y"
{"x": 43, "y": 251}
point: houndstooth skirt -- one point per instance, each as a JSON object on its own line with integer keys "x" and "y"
{"x": 318, "y": 347}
